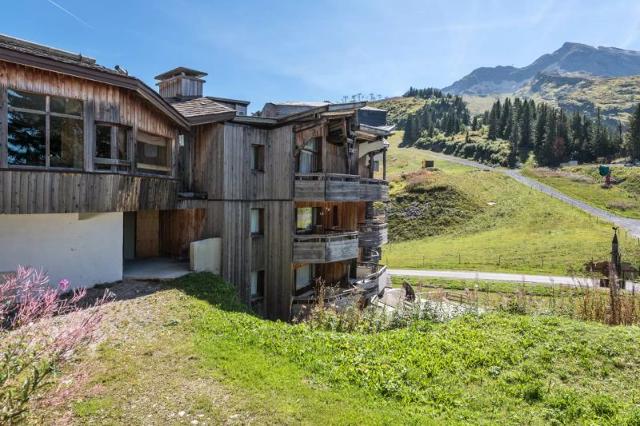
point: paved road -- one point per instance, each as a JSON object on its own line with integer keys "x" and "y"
{"x": 499, "y": 276}
{"x": 631, "y": 225}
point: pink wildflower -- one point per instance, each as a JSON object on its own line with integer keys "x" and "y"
{"x": 63, "y": 285}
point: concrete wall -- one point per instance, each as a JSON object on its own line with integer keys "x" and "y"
{"x": 84, "y": 248}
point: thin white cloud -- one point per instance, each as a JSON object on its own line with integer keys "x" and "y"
{"x": 68, "y": 12}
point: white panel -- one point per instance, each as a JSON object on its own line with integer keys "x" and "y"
{"x": 206, "y": 255}
{"x": 85, "y": 249}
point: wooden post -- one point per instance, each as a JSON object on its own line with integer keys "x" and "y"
{"x": 384, "y": 166}
{"x": 3, "y": 127}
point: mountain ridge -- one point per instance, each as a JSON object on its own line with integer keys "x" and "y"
{"x": 571, "y": 59}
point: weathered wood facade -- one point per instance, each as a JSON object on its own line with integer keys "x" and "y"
{"x": 288, "y": 193}
{"x": 28, "y": 189}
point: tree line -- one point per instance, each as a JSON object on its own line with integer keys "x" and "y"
{"x": 553, "y": 135}
{"x": 442, "y": 113}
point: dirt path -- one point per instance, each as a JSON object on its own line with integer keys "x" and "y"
{"x": 631, "y": 225}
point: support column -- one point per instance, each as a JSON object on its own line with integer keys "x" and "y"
{"x": 384, "y": 165}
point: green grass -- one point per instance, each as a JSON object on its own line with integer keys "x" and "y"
{"x": 506, "y": 227}
{"x": 481, "y": 286}
{"x": 221, "y": 364}
{"x": 584, "y": 183}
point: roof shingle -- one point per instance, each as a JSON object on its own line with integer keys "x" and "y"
{"x": 200, "y": 106}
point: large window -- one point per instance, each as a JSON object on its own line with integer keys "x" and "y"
{"x": 309, "y": 157}
{"x": 111, "y": 148}
{"x": 257, "y": 221}
{"x": 306, "y": 219}
{"x": 153, "y": 153}
{"x": 45, "y": 131}
{"x": 304, "y": 277}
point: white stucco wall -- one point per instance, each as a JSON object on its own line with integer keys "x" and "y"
{"x": 86, "y": 249}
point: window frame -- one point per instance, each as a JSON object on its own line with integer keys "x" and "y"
{"x": 152, "y": 169}
{"x": 315, "y": 220}
{"x": 117, "y": 165}
{"x": 257, "y": 160}
{"x": 47, "y": 113}
{"x": 260, "y": 231}
{"x": 315, "y": 152}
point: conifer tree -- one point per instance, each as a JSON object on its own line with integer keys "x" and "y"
{"x": 633, "y": 136}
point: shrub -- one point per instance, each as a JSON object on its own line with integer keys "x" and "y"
{"x": 30, "y": 353}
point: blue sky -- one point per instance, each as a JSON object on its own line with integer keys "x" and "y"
{"x": 319, "y": 50}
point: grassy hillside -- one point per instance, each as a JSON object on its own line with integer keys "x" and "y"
{"x": 399, "y": 107}
{"x": 584, "y": 183}
{"x": 616, "y": 97}
{"x": 461, "y": 218}
{"x": 191, "y": 354}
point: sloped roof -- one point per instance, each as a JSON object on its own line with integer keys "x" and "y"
{"x": 204, "y": 109}
{"x": 179, "y": 71}
{"x": 34, "y": 55}
{"x": 24, "y": 46}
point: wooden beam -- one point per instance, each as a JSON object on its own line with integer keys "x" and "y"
{"x": 4, "y": 127}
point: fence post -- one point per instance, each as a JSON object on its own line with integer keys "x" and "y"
{"x": 499, "y": 256}
{"x": 423, "y": 261}
{"x": 541, "y": 261}
{"x": 459, "y": 259}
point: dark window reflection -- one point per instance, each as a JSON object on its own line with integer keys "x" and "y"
{"x": 103, "y": 145}
{"x": 25, "y": 100}
{"x": 26, "y": 139}
{"x": 66, "y": 142}
{"x": 65, "y": 106}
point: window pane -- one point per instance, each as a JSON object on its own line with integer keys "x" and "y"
{"x": 65, "y": 106}
{"x": 257, "y": 157}
{"x": 306, "y": 161}
{"x": 257, "y": 283}
{"x": 25, "y": 100}
{"x": 303, "y": 276}
{"x": 66, "y": 142}
{"x": 152, "y": 154}
{"x": 26, "y": 139}
{"x": 256, "y": 221}
{"x": 121, "y": 134}
{"x": 103, "y": 141}
{"x": 304, "y": 219}
{"x": 153, "y": 151}
{"x": 103, "y": 145}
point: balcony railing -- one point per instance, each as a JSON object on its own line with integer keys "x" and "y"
{"x": 324, "y": 248}
{"x": 374, "y": 190}
{"x": 327, "y": 187}
{"x": 339, "y": 187}
{"x": 372, "y": 278}
{"x": 372, "y": 234}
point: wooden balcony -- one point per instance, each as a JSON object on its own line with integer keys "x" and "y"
{"x": 372, "y": 278}
{"x": 327, "y": 187}
{"x": 372, "y": 234}
{"x": 324, "y": 248}
{"x": 339, "y": 187}
{"x": 374, "y": 190}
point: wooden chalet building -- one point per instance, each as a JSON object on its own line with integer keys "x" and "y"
{"x": 97, "y": 168}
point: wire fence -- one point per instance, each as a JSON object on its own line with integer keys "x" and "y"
{"x": 500, "y": 262}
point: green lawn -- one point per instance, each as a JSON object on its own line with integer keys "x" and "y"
{"x": 584, "y": 183}
{"x": 192, "y": 353}
{"x": 506, "y": 226}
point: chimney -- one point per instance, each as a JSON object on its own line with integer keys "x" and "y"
{"x": 181, "y": 83}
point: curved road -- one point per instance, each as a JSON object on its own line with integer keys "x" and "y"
{"x": 631, "y": 225}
